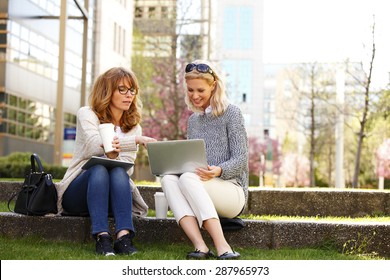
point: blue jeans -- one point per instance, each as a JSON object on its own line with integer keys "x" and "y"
{"x": 97, "y": 191}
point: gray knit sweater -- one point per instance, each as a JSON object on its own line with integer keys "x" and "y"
{"x": 226, "y": 142}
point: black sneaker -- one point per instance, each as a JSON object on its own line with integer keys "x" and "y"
{"x": 124, "y": 245}
{"x": 104, "y": 245}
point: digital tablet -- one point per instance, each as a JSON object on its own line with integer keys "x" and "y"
{"x": 108, "y": 163}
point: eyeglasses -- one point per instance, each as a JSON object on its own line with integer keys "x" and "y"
{"x": 202, "y": 68}
{"x": 124, "y": 90}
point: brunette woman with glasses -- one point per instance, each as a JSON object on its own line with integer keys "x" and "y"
{"x": 98, "y": 190}
{"x": 199, "y": 199}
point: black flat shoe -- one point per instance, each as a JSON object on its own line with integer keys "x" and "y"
{"x": 229, "y": 256}
{"x": 198, "y": 255}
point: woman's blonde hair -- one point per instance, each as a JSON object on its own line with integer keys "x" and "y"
{"x": 101, "y": 94}
{"x": 218, "y": 99}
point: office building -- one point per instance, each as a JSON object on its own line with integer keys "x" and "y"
{"x": 237, "y": 28}
{"x": 50, "y": 52}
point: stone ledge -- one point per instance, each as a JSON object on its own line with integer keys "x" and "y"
{"x": 256, "y": 234}
{"x": 318, "y": 202}
{"x": 287, "y": 201}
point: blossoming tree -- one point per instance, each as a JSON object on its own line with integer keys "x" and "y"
{"x": 383, "y": 162}
{"x": 296, "y": 169}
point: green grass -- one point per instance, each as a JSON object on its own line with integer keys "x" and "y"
{"x": 368, "y": 219}
{"x": 37, "y": 249}
{"x": 147, "y": 183}
{"x": 12, "y": 180}
{"x": 30, "y": 248}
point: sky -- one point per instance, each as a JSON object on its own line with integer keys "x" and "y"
{"x": 297, "y": 31}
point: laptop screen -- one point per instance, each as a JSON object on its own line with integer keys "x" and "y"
{"x": 176, "y": 156}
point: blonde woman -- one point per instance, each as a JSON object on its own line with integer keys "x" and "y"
{"x": 199, "y": 199}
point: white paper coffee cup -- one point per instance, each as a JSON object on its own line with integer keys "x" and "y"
{"x": 107, "y": 133}
{"x": 161, "y": 205}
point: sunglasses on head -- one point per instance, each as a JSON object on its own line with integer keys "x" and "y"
{"x": 202, "y": 68}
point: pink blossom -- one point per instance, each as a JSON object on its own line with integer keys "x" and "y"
{"x": 296, "y": 169}
{"x": 257, "y": 148}
{"x": 383, "y": 159}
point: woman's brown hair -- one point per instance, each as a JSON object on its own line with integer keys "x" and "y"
{"x": 102, "y": 91}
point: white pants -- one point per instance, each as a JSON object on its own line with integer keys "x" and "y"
{"x": 187, "y": 195}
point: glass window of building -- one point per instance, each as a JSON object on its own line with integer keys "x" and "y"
{"x": 138, "y": 13}
{"x": 152, "y": 12}
{"x": 246, "y": 28}
{"x": 33, "y": 45}
{"x": 30, "y": 119}
{"x": 237, "y": 29}
{"x": 238, "y": 80}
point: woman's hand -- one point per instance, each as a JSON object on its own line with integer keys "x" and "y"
{"x": 209, "y": 173}
{"x": 115, "y": 153}
{"x": 144, "y": 140}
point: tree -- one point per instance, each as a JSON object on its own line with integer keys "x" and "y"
{"x": 311, "y": 84}
{"x": 166, "y": 47}
{"x": 258, "y": 148}
{"x": 326, "y": 156}
{"x": 383, "y": 160}
{"x": 271, "y": 151}
{"x": 383, "y": 106}
{"x": 255, "y": 149}
{"x": 364, "y": 110}
{"x": 296, "y": 170}
{"x": 168, "y": 115}
{"x": 378, "y": 133}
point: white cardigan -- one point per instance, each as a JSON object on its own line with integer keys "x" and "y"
{"x": 88, "y": 143}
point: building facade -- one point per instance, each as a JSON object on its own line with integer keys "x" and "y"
{"x": 113, "y": 34}
{"x": 237, "y": 28}
{"x": 50, "y": 52}
{"x": 226, "y": 32}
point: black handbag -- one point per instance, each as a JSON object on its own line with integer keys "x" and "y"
{"x": 231, "y": 224}
{"x": 38, "y": 195}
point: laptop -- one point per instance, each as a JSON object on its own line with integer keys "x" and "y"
{"x": 176, "y": 156}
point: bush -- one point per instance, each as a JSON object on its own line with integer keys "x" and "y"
{"x": 373, "y": 183}
{"x": 16, "y": 157}
{"x": 253, "y": 180}
{"x": 56, "y": 171}
{"x": 320, "y": 182}
{"x": 17, "y": 165}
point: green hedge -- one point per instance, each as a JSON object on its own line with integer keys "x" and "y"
{"x": 17, "y": 165}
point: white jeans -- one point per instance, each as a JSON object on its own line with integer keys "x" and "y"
{"x": 187, "y": 195}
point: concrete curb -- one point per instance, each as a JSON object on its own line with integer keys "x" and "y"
{"x": 287, "y": 201}
{"x": 372, "y": 237}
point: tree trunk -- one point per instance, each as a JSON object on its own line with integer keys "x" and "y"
{"x": 357, "y": 159}
{"x": 312, "y": 128}
{"x": 363, "y": 121}
{"x": 312, "y": 149}
{"x": 361, "y": 135}
{"x": 330, "y": 165}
